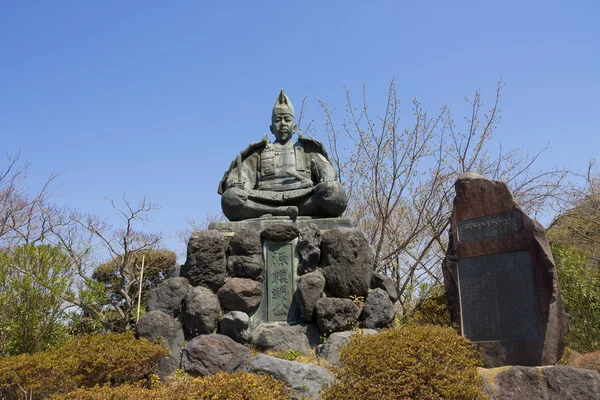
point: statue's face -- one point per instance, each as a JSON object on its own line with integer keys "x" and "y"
{"x": 283, "y": 126}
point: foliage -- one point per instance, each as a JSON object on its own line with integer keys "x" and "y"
{"x": 86, "y": 361}
{"x": 580, "y": 290}
{"x": 408, "y": 362}
{"x": 400, "y": 173}
{"x": 33, "y": 280}
{"x": 120, "y": 279}
{"x": 431, "y": 311}
{"x": 578, "y": 226}
{"x": 236, "y": 386}
{"x": 569, "y": 355}
{"x": 588, "y": 361}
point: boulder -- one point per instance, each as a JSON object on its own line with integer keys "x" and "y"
{"x": 347, "y": 260}
{"x": 332, "y": 348}
{"x": 501, "y": 259}
{"x": 541, "y": 383}
{"x": 206, "y": 264}
{"x": 240, "y": 294}
{"x": 310, "y": 289}
{"x": 280, "y": 232}
{"x": 386, "y": 283}
{"x": 335, "y": 315}
{"x": 208, "y": 354}
{"x": 280, "y": 337}
{"x": 201, "y": 311}
{"x": 309, "y": 249}
{"x": 378, "y": 310}
{"x": 157, "y": 324}
{"x": 244, "y": 266}
{"x": 245, "y": 242}
{"x": 168, "y": 297}
{"x": 305, "y": 379}
{"x": 234, "y": 325}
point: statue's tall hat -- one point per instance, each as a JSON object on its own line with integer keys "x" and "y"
{"x": 283, "y": 105}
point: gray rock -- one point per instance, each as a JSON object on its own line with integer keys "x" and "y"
{"x": 309, "y": 248}
{"x": 280, "y": 232}
{"x": 245, "y": 242}
{"x": 336, "y": 315}
{"x": 205, "y": 264}
{"x": 240, "y": 294}
{"x": 201, "y": 311}
{"x": 541, "y": 383}
{"x": 332, "y": 348}
{"x": 168, "y": 297}
{"x": 347, "y": 261}
{"x": 240, "y": 266}
{"x": 234, "y": 325}
{"x": 281, "y": 337}
{"x": 208, "y": 354}
{"x": 175, "y": 271}
{"x": 386, "y": 283}
{"x": 305, "y": 379}
{"x": 310, "y": 289}
{"x": 157, "y": 324}
{"x": 378, "y": 311}
{"x": 506, "y": 297}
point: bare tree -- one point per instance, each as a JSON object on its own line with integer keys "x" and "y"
{"x": 400, "y": 175}
{"x": 578, "y": 221}
{"x": 24, "y": 218}
{"x": 107, "y": 260}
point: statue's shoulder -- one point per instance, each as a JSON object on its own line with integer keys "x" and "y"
{"x": 255, "y": 147}
{"x": 252, "y": 148}
{"x": 313, "y": 146}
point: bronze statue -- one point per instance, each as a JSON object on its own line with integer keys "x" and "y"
{"x": 282, "y": 178}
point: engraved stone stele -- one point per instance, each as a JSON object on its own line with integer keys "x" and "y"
{"x": 500, "y": 277}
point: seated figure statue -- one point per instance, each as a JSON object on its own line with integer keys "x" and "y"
{"x": 282, "y": 178}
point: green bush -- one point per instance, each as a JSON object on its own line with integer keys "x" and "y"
{"x": 432, "y": 311}
{"x": 33, "y": 281}
{"x": 408, "y": 362}
{"x": 580, "y": 290}
{"x": 236, "y": 386}
{"x": 86, "y": 361}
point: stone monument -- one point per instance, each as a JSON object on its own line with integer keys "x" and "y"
{"x": 500, "y": 277}
{"x": 286, "y": 268}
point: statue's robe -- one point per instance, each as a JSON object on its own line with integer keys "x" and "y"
{"x": 260, "y": 173}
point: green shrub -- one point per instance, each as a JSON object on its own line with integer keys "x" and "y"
{"x": 408, "y": 362}
{"x": 236, "y": 386}
{"x": 33, "y": 281}
{"x": 588, "y": 361}
{"x": 580, "y": 290}
{"x": 432, "y": 311}
{"x": 81, "y": 362}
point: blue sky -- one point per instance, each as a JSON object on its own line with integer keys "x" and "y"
{"x": 156, "y": 98}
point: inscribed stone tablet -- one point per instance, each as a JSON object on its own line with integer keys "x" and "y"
{"x": 490, "y": 226}
{"x": 281, "y": 279}
{"x": 497, "y": 297}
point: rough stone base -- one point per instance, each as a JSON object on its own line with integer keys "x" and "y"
{"x": 300, "y": 222}
{"x": 541, "y": 383}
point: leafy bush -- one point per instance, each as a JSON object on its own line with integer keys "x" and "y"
{"x": 580, "y": 289}
{"x": 408, "y": 362}
{"x": 236, "y": 386}
{"x": 588, "y": 361}
{"x": 84, "y": 361}
{"x": 33, "y": 280}
{"x": 432, "y": 311}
